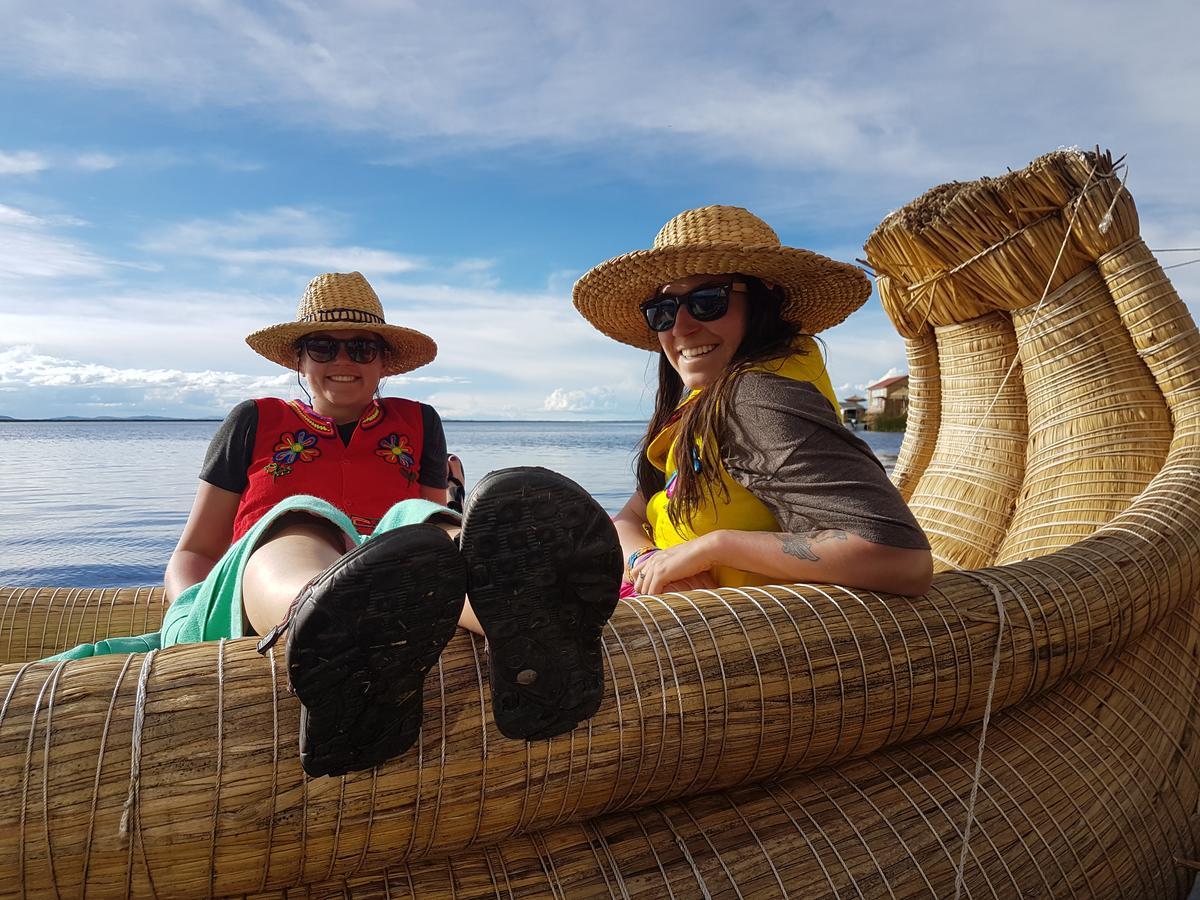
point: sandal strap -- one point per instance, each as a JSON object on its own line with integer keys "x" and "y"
{"x": 272, "y": 637}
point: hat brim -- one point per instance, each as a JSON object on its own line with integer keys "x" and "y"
{"x": 410, "y": 349}
{"x": 820, "y": 292}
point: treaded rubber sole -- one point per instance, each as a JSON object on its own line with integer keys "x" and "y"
{"x": 361, "y": 642}
{"x": 544, "y": 570}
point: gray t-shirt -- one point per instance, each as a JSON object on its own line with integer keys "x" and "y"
{"x": 791, "y": 452}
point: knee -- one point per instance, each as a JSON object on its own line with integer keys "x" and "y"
{"x": 298, "y": 523}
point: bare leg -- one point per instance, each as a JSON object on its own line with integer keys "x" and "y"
{"x": 467, "y": 620}
{"x": 298, "y": 549}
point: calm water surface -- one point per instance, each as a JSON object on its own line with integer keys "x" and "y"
{"x": 101, "y": 504}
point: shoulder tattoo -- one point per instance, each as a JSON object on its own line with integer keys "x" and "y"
{"x": 801, "y": 545}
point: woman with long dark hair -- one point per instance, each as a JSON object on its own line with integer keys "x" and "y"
{"x": 746, "y": 475}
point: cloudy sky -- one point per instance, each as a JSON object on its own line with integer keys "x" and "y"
{"x": 171, "y": 174}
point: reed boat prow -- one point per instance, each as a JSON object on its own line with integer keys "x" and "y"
{"x": 1029, "y": 727}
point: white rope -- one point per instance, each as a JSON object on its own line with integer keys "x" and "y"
{"x": 1106, "y": 219}
{"x": 135, "y": 752}
{"x": 987, "y": 715}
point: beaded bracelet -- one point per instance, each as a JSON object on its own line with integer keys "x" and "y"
{"x": 635, "y": 556}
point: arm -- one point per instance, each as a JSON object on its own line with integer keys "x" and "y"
{"x": 843, "y": 522}
{"x": 209, "y": 527}
{"x": 206, "y": 536}
{"x": 437, "y": 495}
{"x": 630, "y": 523}
{"x": 631, "y": 532}
{"x": 827, "y": 556}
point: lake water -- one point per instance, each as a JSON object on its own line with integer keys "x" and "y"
{"x": 101, "y": 504}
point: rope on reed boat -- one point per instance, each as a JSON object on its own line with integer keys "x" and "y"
{"x": 135, "y": 753}
{"x": 91, "y": 826}
{"x": 983, "y": 728}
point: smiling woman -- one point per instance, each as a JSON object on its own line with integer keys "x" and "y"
{"x": 327, "y": 521}
{"x": 747, "y": 475}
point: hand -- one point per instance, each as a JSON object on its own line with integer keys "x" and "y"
{"x": 683, "y": 567}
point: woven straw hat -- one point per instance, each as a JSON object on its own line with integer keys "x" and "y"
{"x": 343, "y": 302}
{"x": 716, "y": 240}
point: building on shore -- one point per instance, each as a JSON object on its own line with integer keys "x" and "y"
{"x": 887, "y": 403}
{"x": 853, "y": 412}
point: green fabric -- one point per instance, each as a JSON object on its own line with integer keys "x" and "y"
{"x": 212, "y": 609}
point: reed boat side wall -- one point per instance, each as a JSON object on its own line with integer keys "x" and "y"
{"x": 964, "y": 499}
{"x": 1099, "y": 428}
{"x": 1088, "y": 791}
{"x": 39, "y": 622}
{"x": 924, "y": 413}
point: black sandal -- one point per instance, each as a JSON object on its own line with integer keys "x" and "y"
{"x": 361, "y": 637}
{"x": 544, "y": 569}
{"x": 456, "y": 490}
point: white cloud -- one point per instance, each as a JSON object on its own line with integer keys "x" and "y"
{"x": 870, "y": 88}
{"x": 890, "y": 373}
{"x": 21, "y": 163}
{"x": 288, "y": 237}
{"x": 597, "y": 399}
{"x": 37, "y": 376}
{"x": 30, "y": 248}
{"x": 96, "y": 162}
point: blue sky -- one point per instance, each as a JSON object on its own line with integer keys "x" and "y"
{"x": 171, "y": 175}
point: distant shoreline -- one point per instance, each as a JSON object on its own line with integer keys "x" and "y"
{"x": 151, "y": 420}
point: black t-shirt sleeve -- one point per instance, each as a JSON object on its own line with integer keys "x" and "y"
{"x": 433, "y": 450}
{"x": 788, "y": 448}
{"x": 231, "y": 450}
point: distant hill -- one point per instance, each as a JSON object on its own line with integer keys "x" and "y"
{"x": 112, "y": 419}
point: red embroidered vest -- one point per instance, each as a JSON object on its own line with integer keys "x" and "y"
{"x": 299, "y": 451}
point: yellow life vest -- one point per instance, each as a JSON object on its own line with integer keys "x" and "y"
{"x": 742, "y": 511}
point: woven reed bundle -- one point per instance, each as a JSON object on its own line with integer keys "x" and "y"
{"x": 1098, "y": 426}
{"x": 37, "y": 622}
{"x": 965, "y": 497}
{"x": 924, "y": 413}
{"x": 1084, "y": 792}
{"x": 964, "y": 249}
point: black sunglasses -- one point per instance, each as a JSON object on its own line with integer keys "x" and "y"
{"x": 704, "y": 304}
{"x": 325, "y": 349}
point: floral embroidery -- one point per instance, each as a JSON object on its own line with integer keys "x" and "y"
{"x": 278, "y": 470}
{"x": 301, "y": 446}
{"x": 396, "y": 449}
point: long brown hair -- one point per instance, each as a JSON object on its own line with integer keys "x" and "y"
{"x": 768, "y": 337}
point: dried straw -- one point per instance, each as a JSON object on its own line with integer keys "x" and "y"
{"x": 1098, "y": 426}
{"x": 1084, "y": 791}
{"x": 36, "y": 622}
{"x": 924, "y": 413}
{"x": 965, "y": 497}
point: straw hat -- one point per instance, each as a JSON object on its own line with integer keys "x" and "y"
{"x": 819, "y": 292}
{"x": 343, "y": 302}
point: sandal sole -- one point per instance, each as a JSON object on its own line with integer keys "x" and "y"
{"x": 362, "y": 641}
{"x": 544, "y": 571}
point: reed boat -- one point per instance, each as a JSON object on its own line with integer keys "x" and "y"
{"x": 1027, "y": 729}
